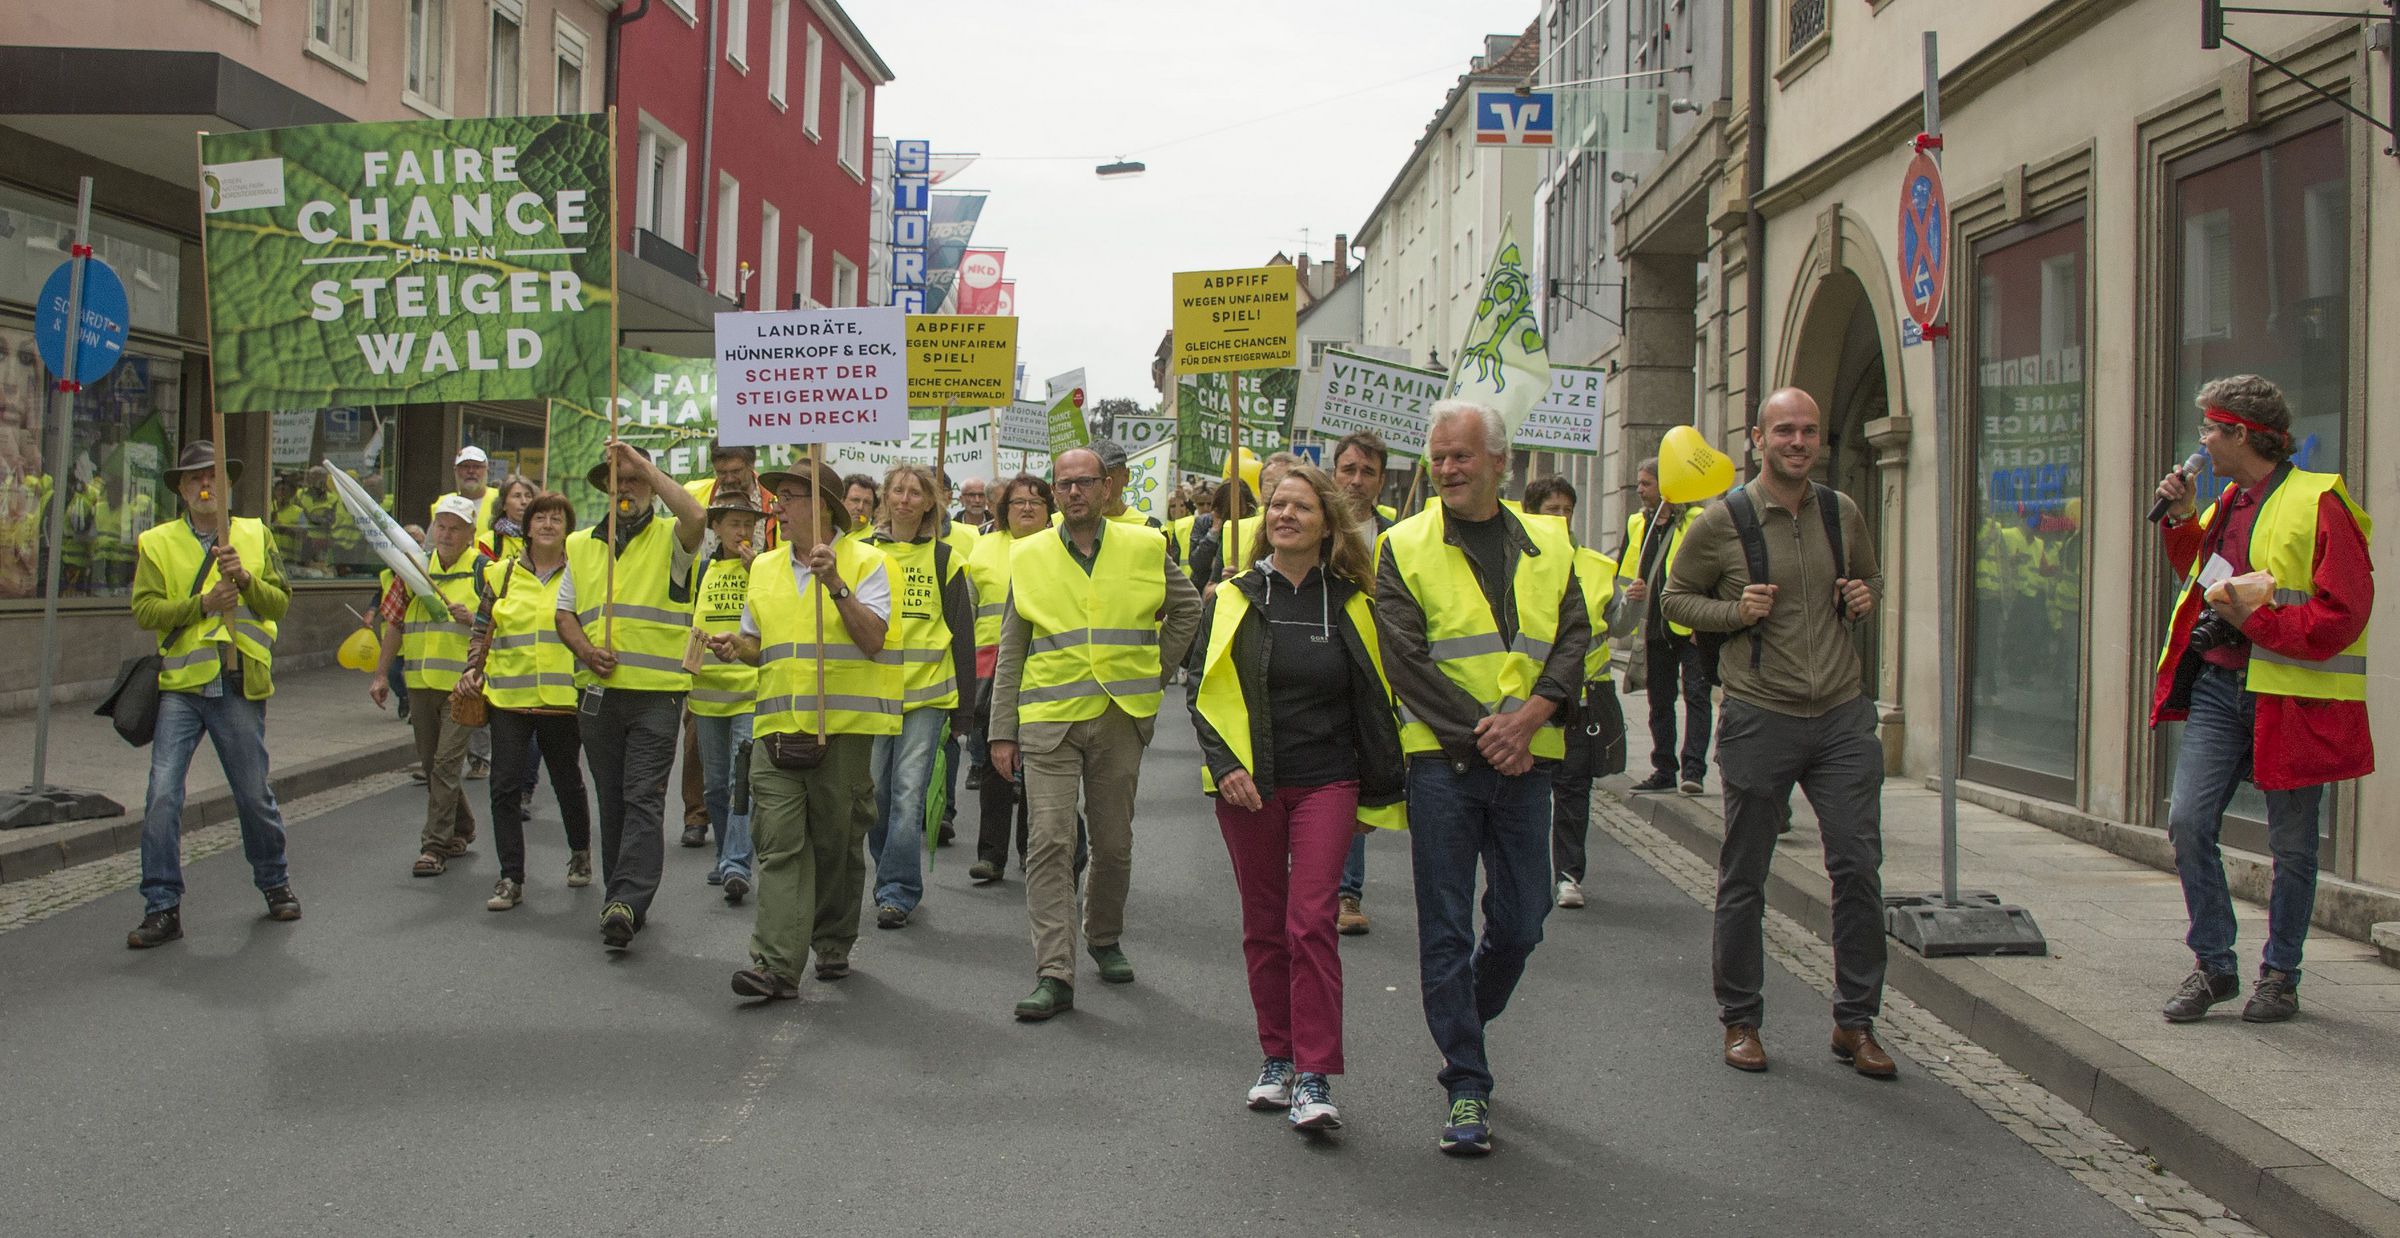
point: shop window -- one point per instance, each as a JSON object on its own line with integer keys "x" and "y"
{"x": 514, "y": 445}
{"x": 124, "y": 433}
{"x": 2025, "y": 611}
{"x": 314, "y": 530}
{"x": 36, "y": 233}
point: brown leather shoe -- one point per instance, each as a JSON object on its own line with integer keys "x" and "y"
{"x": 1742, "y": 1048}
{"x": 1856, "y": 1045}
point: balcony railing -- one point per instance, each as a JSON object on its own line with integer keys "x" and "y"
{"x": 1806, "y": 22}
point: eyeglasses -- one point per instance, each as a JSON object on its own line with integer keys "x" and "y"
{"x": 1075, "y": 483}
{"x": 1027, "y": 505}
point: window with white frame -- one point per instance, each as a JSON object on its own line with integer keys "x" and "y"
{"x": 770, "y": 257}
{"x": 737, "y": 33}
{"x": 337, "y": 34}
{"x": 779, "y": 51}
{"x": 658, "y": 188}
{"x": 247, "y": 10}
{"x": 425, "y": 78}
{"x": 812, "y": 86}
{"x": 845, "y": 282}
{"x": 684, "y": 10}
{"x": 804, "y": 269}
{"x": 504, "y": 93}
{"x": 854, "y": 125}
{"x": 2208, "y": 275}
{"x": 568, "y": 49}
{"x": 728, "y": 236}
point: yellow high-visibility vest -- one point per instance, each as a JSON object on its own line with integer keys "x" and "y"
{"x": 1221, "y": 701}
{"x": 1596, "y": 575}
{"x": 987, "y": 568}
{"x": 1637, "y": 526}
{"x": 723, "y": 688}
{"x": 432, "y": 642}
{"x": 1459, "y": 627}
{"x": 189, "y": 664}
{"x": 2283, "y": 541}
{"x": 651, "y": 626}
{"x": 920, "y": 632}
{"x": 1095, "y": 635}
{"x": 1180, "y": 529}
{"x": 862, "y": 694}
{"x": 529, "y": 665}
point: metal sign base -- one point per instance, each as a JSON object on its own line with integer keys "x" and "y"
{"x": 28, "y": 806}
{"x": 1978, "y": 923}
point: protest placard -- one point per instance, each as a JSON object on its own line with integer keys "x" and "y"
{"x": 1567, "y": 419}
{"x": 1383, "y": 397}
{"x": 961, "y": 360}
{"x": 811, "y": 376}
{"x": 1244, "y": 319}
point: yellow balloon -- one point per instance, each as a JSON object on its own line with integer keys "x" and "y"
{"x": 1247, "y": 463}
{"x": 1689, "y": 470}
{"x": 359, "y": 650}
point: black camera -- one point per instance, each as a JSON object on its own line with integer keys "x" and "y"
{"x": 2214, "y": 631}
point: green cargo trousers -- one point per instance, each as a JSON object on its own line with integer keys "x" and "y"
{"x": 810, "y": 830}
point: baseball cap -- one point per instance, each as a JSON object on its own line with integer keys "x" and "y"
{"x": 457, "y": 505}
{"x": 1111, "y": 453}
{"x": 470, "y": 455}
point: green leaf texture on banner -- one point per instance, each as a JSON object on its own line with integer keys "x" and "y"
{"x": 409, "y": 262}
{"x": 1204, "y": 428}
{"x": 667, "y": 406}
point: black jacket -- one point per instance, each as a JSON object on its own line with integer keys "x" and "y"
{"x": 1381, "y": 767}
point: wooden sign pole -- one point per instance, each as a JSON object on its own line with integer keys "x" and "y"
{"x": 608, "y": 600}
{"x": 816, "y": 538}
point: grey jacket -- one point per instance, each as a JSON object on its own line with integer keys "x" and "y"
{"x": 1178, "y": 619}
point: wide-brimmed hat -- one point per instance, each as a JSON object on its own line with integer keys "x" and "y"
{"x": 728, "y": 502}
{"x": 828, "y": 485}
{"x": 597, "y": 477}
{"x": 202, "y": 454}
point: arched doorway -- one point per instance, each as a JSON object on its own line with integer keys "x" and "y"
{"x": 1837, "y": 357}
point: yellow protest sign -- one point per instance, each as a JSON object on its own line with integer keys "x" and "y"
{"x": 1236, "y": 320}
{"x": 965, "y": 359}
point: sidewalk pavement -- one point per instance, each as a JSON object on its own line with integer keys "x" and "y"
{"x": 322, "y": 731}
{"x": 2293, "y": 1125}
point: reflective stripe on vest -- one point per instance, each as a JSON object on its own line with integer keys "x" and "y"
{"x": 987, "y": 568}
{"x": 193, "y": 660}
{"x": 2283, "y": 541}
{"x": 1088, "y": 645}
{"x": 651, "y": 627}
{"x": 433, "y": 646}
{"x": 1460, "y": 629}
{"x": 722, "y": 688}
{"x": 529, "y": 665}
{"x": 862, "y": 695}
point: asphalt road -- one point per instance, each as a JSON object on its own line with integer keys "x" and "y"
{"x": 403, "y": 1061}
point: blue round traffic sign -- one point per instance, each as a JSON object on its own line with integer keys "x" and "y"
{"x": 106, "y": 315}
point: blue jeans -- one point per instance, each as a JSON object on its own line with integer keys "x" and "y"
{"x": 903, "y": 769}
{"x": 1456, "y": 819}
{"x": 719, "y": 738}
{"x": 2212, "y": 760}
{"x": 238, "y": 728}
{"x": 1354, "y": 870}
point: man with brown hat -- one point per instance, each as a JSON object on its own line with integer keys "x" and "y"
{"x": 210, "y": 586}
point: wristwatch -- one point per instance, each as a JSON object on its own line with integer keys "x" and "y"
{"x": 838, "y": 592}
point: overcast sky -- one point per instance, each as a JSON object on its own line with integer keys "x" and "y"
{"x": 1345, "y": 88}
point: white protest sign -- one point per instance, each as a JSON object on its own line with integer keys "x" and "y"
{"x": 1568, "y": 418}
{"x": 1140, "y": 434}
{"x": 1358, "y": 393}
{"x": 968, "y": 455}
{"x": 811, "y": 376}
{"x": 1025, "y": 427}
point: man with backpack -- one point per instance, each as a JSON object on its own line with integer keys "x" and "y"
{"x": 1778, "y": 575}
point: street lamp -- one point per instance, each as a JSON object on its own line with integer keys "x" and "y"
{"x": 1121, "y": 168}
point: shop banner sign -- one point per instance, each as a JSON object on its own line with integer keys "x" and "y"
{"x": 1566, "y": 420}
{"x": 1236, "y": 320}
{"x": 979, "y": 281}
{"x": 960, "y": 360}
{"x": 1204, "y": 429}
{"x": 409, "y": 262}
{"x": 1394, "y": 401}
{"x": 812, "y": 376}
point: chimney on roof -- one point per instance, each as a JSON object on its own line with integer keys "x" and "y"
{"x": 1496, "y": 46}
{"x": 1303, "y": 265}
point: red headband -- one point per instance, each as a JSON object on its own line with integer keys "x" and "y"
{"x": 2224, "y": 418}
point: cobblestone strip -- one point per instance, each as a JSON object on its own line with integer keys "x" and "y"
{"x": 2156, "y": 1198}
{"x": 39, "y": 898}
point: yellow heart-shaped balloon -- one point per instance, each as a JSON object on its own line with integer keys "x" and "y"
{"x": 359, "y": 650}
{"x": 1689, "y": 470}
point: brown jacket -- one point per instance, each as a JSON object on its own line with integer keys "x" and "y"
{"x": 1808, "y": 662}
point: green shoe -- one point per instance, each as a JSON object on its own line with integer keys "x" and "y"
{"x": 1048, "y": 998}
{"x": 1115, "y": 968}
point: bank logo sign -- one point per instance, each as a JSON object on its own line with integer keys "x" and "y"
{"x": 1508, "y": 118}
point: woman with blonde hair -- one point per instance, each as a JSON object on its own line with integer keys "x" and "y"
{"x": 1301, "y": 745}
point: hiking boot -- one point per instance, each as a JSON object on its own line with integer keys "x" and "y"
{"x": 832, "y": 966}
{"x": 983, "y": 872}
{"x": 2275, "y": 998}
{"x": 282, "y": 904}
{"x": 1115, "y": 968}
{"x": 759, "y": 982}
{"x": 1352, "y": 921}
{"x": 1656, "y": 782}
{"x": 889, "y": 916}
{"x": 695, "y": 836}
{"x": 156, "y": 929}
{"x": 1049, "y": 997}
{"x": 737, "y": 888}
{"x": 1469, "y": 1130}
{"x": 579, "y": 869}
{"x": 2200, "y": 991}
{"x": 505, "y": 894}
{"x": 616, "y": 926}
{"x": 1274, "y": 1087}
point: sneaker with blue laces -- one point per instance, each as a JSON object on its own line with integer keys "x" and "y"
{"x": 1312, "y": 1104}
{"x": 1274, "y": 1087}
{"x": 1470, "y": 1130}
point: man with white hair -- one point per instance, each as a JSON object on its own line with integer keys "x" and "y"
{"x": 1483, "y": 630}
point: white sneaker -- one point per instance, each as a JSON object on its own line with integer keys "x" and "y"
{"x": 1570, "y": 895}
{"x": 1312, "y": 1105}
{"x": 505, "y": 894}
{"x": 1274, "y": 1087}
{"x": 1690, "y": 786}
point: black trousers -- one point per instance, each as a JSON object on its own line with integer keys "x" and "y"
{"x": 630, "y": 744}
{"x": 1677, "y": 667}
{"x": 1571, "y": 807}
{"x": 515, "y": 738}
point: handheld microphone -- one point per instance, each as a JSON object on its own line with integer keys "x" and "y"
{"x": 2189, "y": 469}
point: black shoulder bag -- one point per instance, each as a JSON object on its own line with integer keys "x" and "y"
{"x": 131, "y": 705}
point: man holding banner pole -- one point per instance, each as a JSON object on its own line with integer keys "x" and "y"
{"x": 633, "y": 689}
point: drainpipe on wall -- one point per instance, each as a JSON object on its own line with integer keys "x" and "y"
{"x": 1754, "y": 224}
{"x": 617, "y": 22}
{"x": 708, "y": 150}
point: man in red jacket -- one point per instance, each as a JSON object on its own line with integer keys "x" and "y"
{"x": 2273, "y": 692}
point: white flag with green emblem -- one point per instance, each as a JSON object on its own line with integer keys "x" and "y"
{"x": 1503, "y": 361}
